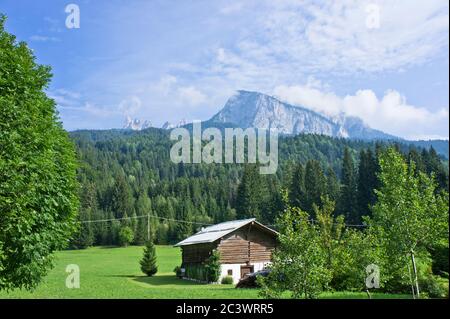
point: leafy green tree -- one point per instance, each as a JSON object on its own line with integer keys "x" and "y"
{"x": 148, "y": 261}
{"x": 126, "y": 236}
{"x": 299, "y": 263}
{"x": 408, "y": 214}
{"x": 38, "y": 186}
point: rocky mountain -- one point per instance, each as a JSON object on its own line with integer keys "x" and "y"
{"x": 136, "y": 124}
{"x": 168, "y": 125}
{"x": 252, "y": 109}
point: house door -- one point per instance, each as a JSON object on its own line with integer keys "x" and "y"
{"x": 246, "y": 270}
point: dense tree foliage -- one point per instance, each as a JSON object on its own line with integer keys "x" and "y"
{"x": 130, "y": 174}
{"x": 38, "y": 186}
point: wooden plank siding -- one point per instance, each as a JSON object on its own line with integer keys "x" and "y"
{"x": 246, "y": 245}
{"x": 196, "y": 253}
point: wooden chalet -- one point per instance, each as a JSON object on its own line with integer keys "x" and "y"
{"x": 245, "y": 246}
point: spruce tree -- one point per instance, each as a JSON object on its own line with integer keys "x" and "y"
{"x": 148, "y": 261}
{"x": 333, "y": 185}
{"x": 297, "y": 187}
{"x": 367, "y": 182}
{"x": 315, "y": 185}
{"x": 348, "y": 191}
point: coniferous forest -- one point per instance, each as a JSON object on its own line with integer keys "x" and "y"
{"x": 128, "y": 180}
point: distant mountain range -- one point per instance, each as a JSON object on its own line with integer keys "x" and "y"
{"x": 252, "y": 109}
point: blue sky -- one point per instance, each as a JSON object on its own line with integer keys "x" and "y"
{"x": 172, "y": 60}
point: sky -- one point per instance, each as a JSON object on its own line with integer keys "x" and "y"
{"x": 386, "y": 62}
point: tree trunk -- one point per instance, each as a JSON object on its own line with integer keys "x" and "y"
{"x": 411, "y": 282}
{"x": 416, "y": 281}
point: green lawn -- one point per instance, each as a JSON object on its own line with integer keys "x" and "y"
{"x": 114, "y": 273}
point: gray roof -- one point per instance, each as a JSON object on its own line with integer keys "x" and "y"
{"x": 212, "y": 233}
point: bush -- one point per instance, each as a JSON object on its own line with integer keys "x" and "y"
{"x": 213, "y": 267}
{"x": 434, "y": 286}
{"x": 126, "y": 236}
{"x": 227, "y": 280}
{"x": 148, "y": 262}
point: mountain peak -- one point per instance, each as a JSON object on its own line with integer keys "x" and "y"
{"x": 254, "y": 109}
{"x": 136, "y": 124}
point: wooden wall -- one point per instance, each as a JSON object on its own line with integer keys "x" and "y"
{"x": 197, "y": 253}
{"x": 251, "y": 243}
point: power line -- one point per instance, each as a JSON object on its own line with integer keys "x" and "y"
{"x": 197, "y": 223}
{"x": 143, "y": 216}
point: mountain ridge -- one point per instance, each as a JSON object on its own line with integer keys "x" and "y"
{"x": 253, "y": 109}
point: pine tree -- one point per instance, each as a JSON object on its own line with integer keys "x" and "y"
{"x": 348, "y": 204}
{"x": 122, "y": 199}
{"x": 367, "y": 182}
{"x": 148, "y": 261}
{"x": 252, "y": 194}
{"x": 333, "y": 185}
{"x": 297, "y": 187}
{"x": 315, "y": 185}
{"x": 183, "y": 228}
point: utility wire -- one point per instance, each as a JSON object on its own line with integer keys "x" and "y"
{"x": 143, "y": 216}
{"x": 196, "y": 223}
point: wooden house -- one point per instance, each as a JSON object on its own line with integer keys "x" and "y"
{"x": 245, "y": 246}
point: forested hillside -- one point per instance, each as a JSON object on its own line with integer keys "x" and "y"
{"x": 127, "y": 175}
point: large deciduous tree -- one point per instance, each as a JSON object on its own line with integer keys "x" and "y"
{"x": 38, "y": 188}
{"x": 409, "y": 215}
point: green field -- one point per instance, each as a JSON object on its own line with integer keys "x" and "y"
{"x": 107, "y": 272}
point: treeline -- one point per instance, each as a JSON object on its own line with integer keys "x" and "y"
{"x": 126, "y": 175}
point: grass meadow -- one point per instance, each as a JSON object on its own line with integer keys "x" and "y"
{"x": 113, "y": 272}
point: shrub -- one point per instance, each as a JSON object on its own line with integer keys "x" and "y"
{"x": 148, "y": 262}
{"x": 212, "y": 267}
{"x": 434, "y": 286}
{"x": 227, "y": 280}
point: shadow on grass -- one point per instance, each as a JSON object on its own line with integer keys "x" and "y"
{"x": 162, "y": 280}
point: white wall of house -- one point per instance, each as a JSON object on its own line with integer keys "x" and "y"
{"x": 236, "y": 270}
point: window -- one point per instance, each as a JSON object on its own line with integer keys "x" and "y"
{"x": 230, "y": 272}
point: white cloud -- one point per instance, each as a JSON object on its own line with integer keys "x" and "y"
{"x": 130, "y": 106}
{"x": 191, "y": 95}
{"x": 334, "y": 36}
{"x": 230, "y": 8}
{"x": 391, "y": 113}
{"x": 41, "y": 38}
